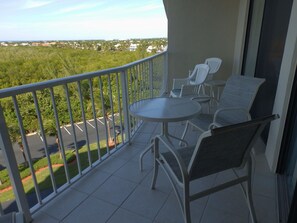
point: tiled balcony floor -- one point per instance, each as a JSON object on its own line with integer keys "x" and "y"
{"x": 117, "y": 192}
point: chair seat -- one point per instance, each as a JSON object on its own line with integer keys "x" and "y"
{"x": 204, "y": 120}
{"x": 219, "y": 149}
{"x": 219, "y": 83}
{"x": 175, "y": 93}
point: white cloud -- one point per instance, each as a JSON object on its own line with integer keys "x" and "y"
{"x": 89, "y": 19}
{"x": 36, "y": 3}
{"x": 77, "y": 8}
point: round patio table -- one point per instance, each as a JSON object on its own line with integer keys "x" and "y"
{"x": 164, "y": 110}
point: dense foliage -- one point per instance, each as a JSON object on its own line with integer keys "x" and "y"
{"x": 24, "y": 65}
{"x": 28, "y": 64}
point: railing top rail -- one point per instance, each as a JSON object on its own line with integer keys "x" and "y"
{"x": 13, "y": 91}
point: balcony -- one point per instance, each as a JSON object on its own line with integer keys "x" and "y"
{"x": 116, "y": 191}
{"x": 106, "y": 185}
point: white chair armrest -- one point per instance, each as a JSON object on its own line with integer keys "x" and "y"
{"x": 219, "y": 116}
{"x": 187, "y": 90}
{"x": 178, "y": 82}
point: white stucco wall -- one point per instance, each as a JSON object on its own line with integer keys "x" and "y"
{"x": 198, "y": 29}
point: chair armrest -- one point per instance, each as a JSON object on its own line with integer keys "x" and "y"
{"x": 222, "y": 116}
{"x": 176, "y": 155}
{"x": 187, "y": 90}
{"x": 178, "y": 82}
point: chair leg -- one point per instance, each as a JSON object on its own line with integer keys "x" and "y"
{"x": 184, "y": 133}
{"x": 187, "y": 210}
{"x": 155, "y": 174}
{"x": 249, "y": 193}
{"x": 156, "y": 163}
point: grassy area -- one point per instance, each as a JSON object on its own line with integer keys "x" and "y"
{"x": 42, "y": 174}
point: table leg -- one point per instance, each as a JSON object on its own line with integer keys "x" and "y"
{"x": 164, "y": 131}
{"x": 148, "y": 148}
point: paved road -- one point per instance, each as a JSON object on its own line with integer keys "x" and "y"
{"x": 36, "y": 144}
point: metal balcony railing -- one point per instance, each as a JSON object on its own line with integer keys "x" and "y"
{"x": 90, "y": 116}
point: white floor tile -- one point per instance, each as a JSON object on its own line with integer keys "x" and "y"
{"x": 130, "y": 171}
{"x": 41, "y": 217}
{"x": 145, "y": 202}
{"x": 231, "y": 200}
{"x": 91, "y": 210}
{"x": 124, "y": 216}
{"x": 264, "y": 185}
{"x": 266, "y": 210}
{"x": 115, "y": 190}
{"x": 112, "y": 164}
{"x": 93, "y": 179}
{"x": 64, "y": 203}
{"x": 172, "y": 213}
{"x": 214, "y": 215}
{"x": 163, "y": 184}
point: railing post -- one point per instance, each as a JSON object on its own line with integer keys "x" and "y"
{"x": 12, "y": 167}
{"x": 125, "y": 97}
{"x": 151, "y": 77}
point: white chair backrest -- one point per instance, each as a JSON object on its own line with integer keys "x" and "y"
{"x": 200, "y": 72}
{"x": 239, "y": 92}
{"x": 214, "y": 64}
{"x": 226, "y": 147}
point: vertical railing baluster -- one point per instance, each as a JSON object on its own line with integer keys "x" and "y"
{"x": 147, "y": 80}
{"x": 105, "y": 115}
{"x": 130, "y": 85}
{"x": 26, "y": 149}
{"x": 151, "y": 79}
{"x": 73, "y": 129}
{"x": 132, "y": 93}
{"x": 141, "y": 79}
{"x": 85, "y": 122}
{"x": 13, "y": 171}
{"x": 60, "y": 138}
{"x": 112, "y": 110}
{"x": 138, "y": 81}
{"x": 95, "y": 118}
{"x": 39, "y": 117}
{"x": 133, "y": 83}
{"x": 125, "y": 97}
{"x": 120, "y": 106}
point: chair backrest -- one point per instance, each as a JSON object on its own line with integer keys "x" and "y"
{"x": 239, "y": 92}
{"x": 199, "y": 74}
{"x": 226, "y": 147}
{"x": 214, "y": 64}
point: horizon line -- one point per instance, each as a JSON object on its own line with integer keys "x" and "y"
{"x": 81, "y": 39}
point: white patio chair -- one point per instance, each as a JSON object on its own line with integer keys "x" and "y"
{"x": 233, "y": 106}
{"x": 187, "y": 87}
{"x": 216, "y": 150}
{"x": 214, "y": 64}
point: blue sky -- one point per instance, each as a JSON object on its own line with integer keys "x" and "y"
{"x": 81, "y": 19}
